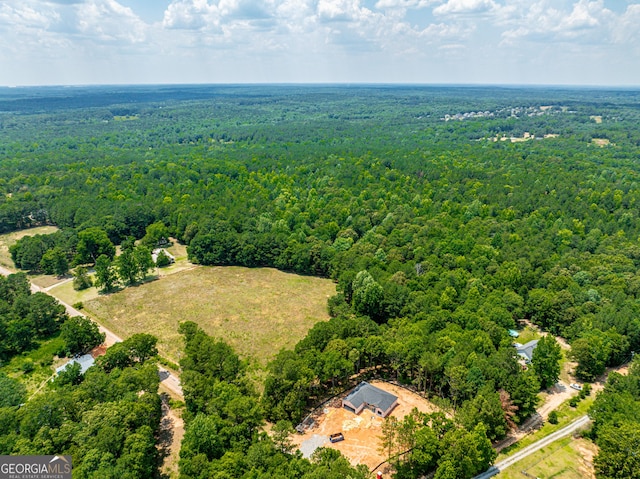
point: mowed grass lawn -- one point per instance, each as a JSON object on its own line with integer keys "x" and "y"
{"x": 257, "y": 311}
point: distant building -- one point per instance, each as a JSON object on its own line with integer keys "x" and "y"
{"x": 85, "y": 361}
{"x": 156, "y": 252}
{"x": 525, "y": 351}
{"x": 370, "y": 397}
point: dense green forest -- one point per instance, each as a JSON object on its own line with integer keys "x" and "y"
{"x": 106, "y": 419}
{"x": 616, "y": 415}
{"x": 443, "y": 214}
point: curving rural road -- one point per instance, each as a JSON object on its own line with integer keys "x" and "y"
{"x": 536, "y": 446}
{"x": 170, "y": 381}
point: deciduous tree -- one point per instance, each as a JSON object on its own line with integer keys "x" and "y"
{"x": 92, "y": 243}
{"x": 105, "y": 274}
{"x": 81, "y": 278}
{"x": 367, "y": 295}
{"x": 546, "y": 361}
{"x": 619, "y": 454}
{"x": 12, "y": 392}
{"x": 54, "y": 261}
{"x": 80, "y": 335}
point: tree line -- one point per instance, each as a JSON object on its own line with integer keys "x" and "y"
{"x": 616, "y": 416}
{"x": 56, "y": 253}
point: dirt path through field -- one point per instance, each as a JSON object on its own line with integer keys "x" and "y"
{"x": 5, "y": 272}
{"x": 170, "y": 439}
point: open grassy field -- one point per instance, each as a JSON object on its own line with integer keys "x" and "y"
{"x": 257, "y": 311}
{"x": 568, "y": 458}
{"x": 8, "y": 239}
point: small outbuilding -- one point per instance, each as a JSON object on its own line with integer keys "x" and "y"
{"x": 366, "y": 396}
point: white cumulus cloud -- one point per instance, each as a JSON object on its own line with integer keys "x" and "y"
{"x": 548, "y": 21}
{"x": 341, "y": 10}
{"x": 465, "y": 7}
{"x": 25, "y": 15}
{"x": 404, "y": 4}
{"x": 111, "y": 21}
{"x": 585, "y": 14}
{"x": 317, "y": 40}
{"x": 191, "y": 14}
{"x": 626, "y": 27}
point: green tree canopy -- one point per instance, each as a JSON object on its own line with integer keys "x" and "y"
{"x": 81, "y": 278}
{"x": 80, "y": 335}
{"x": 619, "y": 454}
{"x": 546, "y": 361}
{"x": 93, "y": 243}
{"x": 54, "y": 261}
{"x": 12, "y": 392}
{"x": 367, "y": 295}
{"x": 106, "y": 276}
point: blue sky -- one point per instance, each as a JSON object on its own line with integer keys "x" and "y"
{"x": 550, "y": 42}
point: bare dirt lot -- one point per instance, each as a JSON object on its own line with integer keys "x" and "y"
{"x": 361, "y": 432}
{"x": 586, "y": 451}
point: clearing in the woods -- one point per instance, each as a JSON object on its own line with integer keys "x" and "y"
{"x": 258, "y": 311}
{"x": 362, "y": 432}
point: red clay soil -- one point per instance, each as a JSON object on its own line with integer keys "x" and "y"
{"x": 362, "y": 432}
{"x": 99, "y": 351}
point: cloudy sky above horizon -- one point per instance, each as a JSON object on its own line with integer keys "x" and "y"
{"x": 549, "y": 42}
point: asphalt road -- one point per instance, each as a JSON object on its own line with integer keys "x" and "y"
{"x": 536, "y": 446}
{"x": 168, "y": 380}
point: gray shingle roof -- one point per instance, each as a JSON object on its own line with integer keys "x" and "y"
{"x": 366, "y": 393}
{"x": 526, "y": 350}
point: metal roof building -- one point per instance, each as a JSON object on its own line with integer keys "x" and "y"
{"x": 85, "y": 361}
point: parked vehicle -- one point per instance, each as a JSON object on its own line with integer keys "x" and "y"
{"x": 575, "y": 386}
{"x": 337, "y": 437}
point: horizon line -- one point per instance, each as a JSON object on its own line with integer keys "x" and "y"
{"x": 338, "y": 83}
